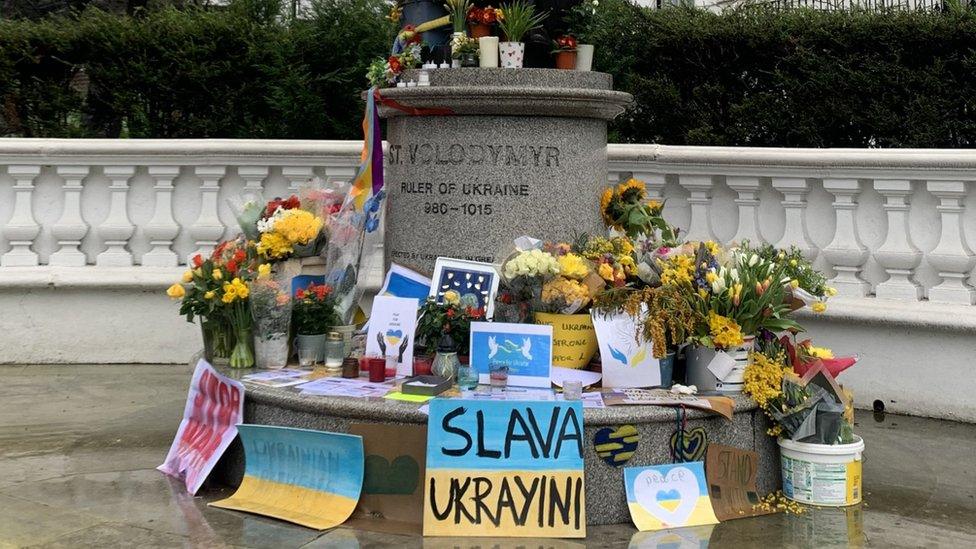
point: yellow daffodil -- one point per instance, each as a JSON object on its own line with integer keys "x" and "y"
{"x": 725, "y": 332}
{"x": 188, "y": 276}
{"x": 176, "y": 291}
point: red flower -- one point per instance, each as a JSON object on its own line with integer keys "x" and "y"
{"x": 475, "y": 313}
{"x": 300, "y": 293}
{"x": 232, "y": 266}
{"x": 394, "y": 63}
{"x": 488, "y": 16}
{"x": 320, "y": 292}
{"x": 475, "y": 14}
{"x": 240, "y": 256}
{"x": 292, "y": 203}
{"x": 450, "y": 313}
{"x": 197, "y": 261}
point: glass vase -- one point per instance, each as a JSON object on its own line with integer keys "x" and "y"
{"x": 243, "y": 354}
{"x": 218, "y": 342}
{"x": 271, "y": 350}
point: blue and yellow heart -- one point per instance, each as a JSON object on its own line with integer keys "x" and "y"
{"x": 689, "y": 445}
{"x": 394, "y": 336}
{"x": 616, "y": 445}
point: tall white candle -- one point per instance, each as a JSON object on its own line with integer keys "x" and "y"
{"x": 488, "y": 46}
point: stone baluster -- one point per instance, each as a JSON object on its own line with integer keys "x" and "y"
{"x": 253, "y": 177}
{"x": 614, "y": 177}
{"x": 117, "y": 229}
{"x": 297, "y": 176}
{"x": 207, "y": 229}
{"x": 952, "y": 257}
{"x": 700, "y": 187}
{"x": 747, "y": 187}
{"x": 795, "y": 191}
{"x": 898, "y": 254}
{"x": 22, "y": 229}
{"x": 70, "y": 227}
{"x": 340, "y": 174}
{"x": 655, "y": 184}
{"x": 845, "y": 252}
{"x": 162, "y": 228}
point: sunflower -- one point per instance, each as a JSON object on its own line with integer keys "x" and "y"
{"x": 632, "y": 190}
{"x": 605, "y": 200}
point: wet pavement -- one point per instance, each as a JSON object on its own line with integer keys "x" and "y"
{"x": 79, "y": 446}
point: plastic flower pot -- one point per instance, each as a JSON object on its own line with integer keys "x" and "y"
{"x": 478, "y": 30}
{"x": 584, "y": 57}
{"x": 698, "y": 374}
{"x": 512, "y": 54}
{"x": 566, "y": 60}
{"x": 312, "y": 341}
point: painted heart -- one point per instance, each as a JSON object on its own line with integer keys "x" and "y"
{"x": 616, "y": 446}
{"x": 680, "y": 484}
{"x": 401, "y": 477}
{"x": 394, "y": 333}
{"x": 691, "y": 446}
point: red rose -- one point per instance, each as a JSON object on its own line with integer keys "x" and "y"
{"x": 320, "y": 292}
{"x": 300, "y": 293}
{"x": 450, "y": 313}
{"x": 239, "y": 256}
{"x": 197, "y": 261}
{"x": 232, "y": 266}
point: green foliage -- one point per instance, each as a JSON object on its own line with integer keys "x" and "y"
{"x": 795, "y": 78}
{"x": 244, "y": 72}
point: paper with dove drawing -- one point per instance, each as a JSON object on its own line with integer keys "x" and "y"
{"x": 626, "y": 362}
{"x": 668, "y": 496}
{"x": 392, "y": 323}
{"x": 525, "y": 348}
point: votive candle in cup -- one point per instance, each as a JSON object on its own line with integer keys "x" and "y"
{"x": 377, "y": 369}
{"x": 391, "y": 366}
{"x": 488, "y": 46}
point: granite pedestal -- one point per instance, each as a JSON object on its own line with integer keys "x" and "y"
{"x": 606, "y": 501}
{"x": 483, "y": 156}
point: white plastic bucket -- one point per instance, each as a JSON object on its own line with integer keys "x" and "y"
{"x": 822, "y": 474}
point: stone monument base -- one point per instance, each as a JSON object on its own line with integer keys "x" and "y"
{"x": 606, "y": 501}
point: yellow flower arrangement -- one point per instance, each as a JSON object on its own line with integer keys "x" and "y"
{"x": 274, "y": 245}
{"x": 677, "y": 269}
{"x": 566, "y": 290}
{"x": 287, "y": 229}
{"x": 233, "y": 290}
{"x": 573, "y": 266}
{"x": 764, "y": 377}
{"x": 176, "y": 291}
{"x": 725, "y": 332}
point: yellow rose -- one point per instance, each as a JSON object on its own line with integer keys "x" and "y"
{"x": 264, "y": 270}
{"x": 209, "y": 295}
{"x": 217, "y": 275}
{"x": 176, "y": 291}
{"x": 451, "y": 297}
{"x": 188, "y": 276}
{"x": 819, "y": 307}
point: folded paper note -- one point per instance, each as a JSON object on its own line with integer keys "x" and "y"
{"x": 312, "y": 478}
{"x": 668, "y": 496}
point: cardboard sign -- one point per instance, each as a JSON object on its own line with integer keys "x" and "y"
{"x": 214, "y": 407}
{"x": 526, "y": 349}
{"x": 626, "y": 362}
{"x": 393, "y": 480}
{"x": 722, "y": 406}
{"x": 392, "y": 324}
{"x": 312, "y": 478}
{"x": 504, "y": 468}
{"x": 668, "y": 496}
{"x": 573, "y": 338}
{"x": 731, "y": 475}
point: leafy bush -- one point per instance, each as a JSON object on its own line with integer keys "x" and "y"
{"x": 748, "y": 77}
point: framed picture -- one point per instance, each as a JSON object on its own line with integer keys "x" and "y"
{"x": 525, "y": 349}
{"x": 476, "y": 283}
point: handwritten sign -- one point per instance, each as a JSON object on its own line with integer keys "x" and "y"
{"x": 312, "y": 478}
{"x": 668, "y": 496}
{"x": 504, "y": 468}
{"x": 526, "y": 349}
{"x": 573, "y": 338}
{"x": 392, "y": 324}
{"x": 626, "y": 361}
{"x": 214, "y": 407}
{"x": 731, "y": 475}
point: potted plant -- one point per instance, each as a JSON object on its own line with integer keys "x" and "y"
{"x": 517, "y": 19}
{"x": 465, "y": 50}
{"x": 450, "y": 318}
{"x": 313, "y": 315}
{"x": 580, "y": 21}
{"x": 481, "y": 21}
{"x": 565, "y": 52}
{"x": 457, "y": 10}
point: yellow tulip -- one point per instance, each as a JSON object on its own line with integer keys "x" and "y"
{"x": 209, "y": 295}
{"x": 176, "y": 291}
{"x": 217, "y": 275}
{"x": 188, "y": 277}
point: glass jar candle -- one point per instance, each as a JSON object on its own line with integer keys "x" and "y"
{"x": 334, "y": 351}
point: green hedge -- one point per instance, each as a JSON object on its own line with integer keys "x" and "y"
{"x": 750, "y": 77}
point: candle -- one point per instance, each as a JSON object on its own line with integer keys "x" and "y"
{"x": 489, "y": 51}
{"x": 377, "y": 369}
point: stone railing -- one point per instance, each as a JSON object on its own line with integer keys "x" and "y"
{"x": 885, "y": 223}
{"x": 88, "y": 224}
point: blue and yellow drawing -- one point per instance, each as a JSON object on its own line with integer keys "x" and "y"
{"x": 312, "y": 478}
{"x": 668, "y": 496}
{"x": 616, "y": 446}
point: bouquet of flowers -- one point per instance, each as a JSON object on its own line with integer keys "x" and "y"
{"x": 314, "y": 310}
{"x": 626, "y": 208}
{"x": 271, "y": 309}
{"x": 523, "y": 275}
{"x": 284, "y": 226}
